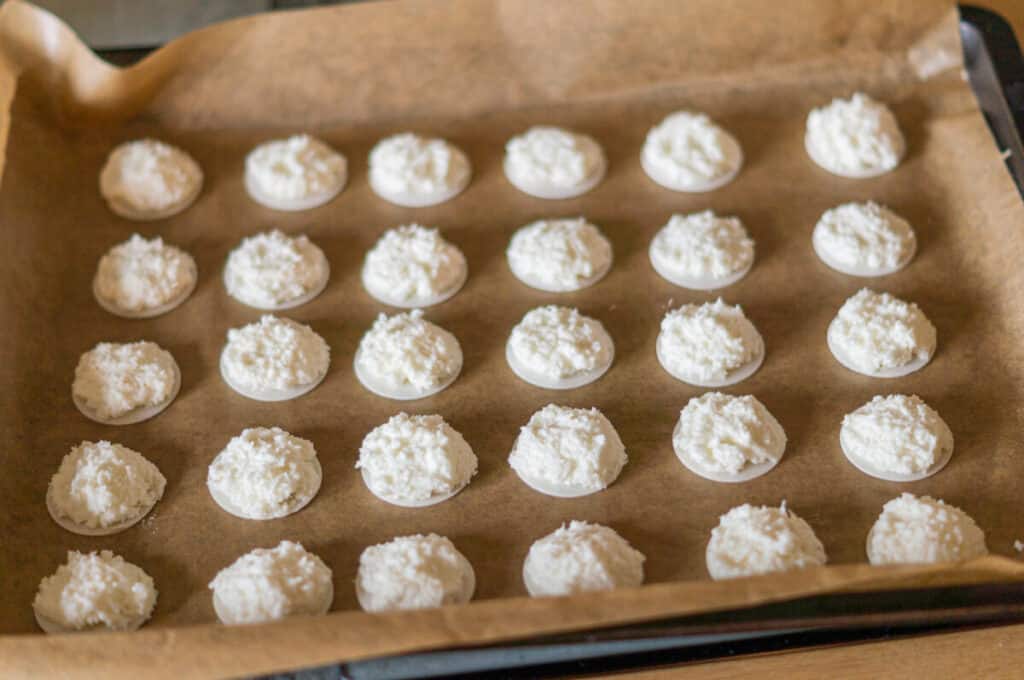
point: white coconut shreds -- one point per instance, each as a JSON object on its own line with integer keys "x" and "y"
{"x": 415, "y": 458}
{"x": 412, "y": 263}
{"x": 914, "y": 530}
{"x": 272, "y": 268}
{"x": 896, "y": 433}
{"x": 268, "y": 584}
{"x": 113, "y": 379}
{"x": 552, "y": 157}
{"x": 407, "y": 164}
{"x": 100, "y": 484}
{"x": 560, "y": 254}
{"x": 413, "y": 572}
{"x": 855, "y": 137}
{"x": 275, "y": 354}
{"x": 407, "y": 350}
{"x": 147, "y": 176}
{"x": 703, "y": 246}
{"x": 295, "y": 168}
{"x": 758, "y": 540}
{"x": 559, "y": 342}
{"x": 708, "y": 341}
{"x": 581, "y": 557}
{"x": 876, "y": 331}
{"x": 688, "y": 150}
{"x": 865, "y": 236}
{"x": 140, "y": 275}
{"x": 96, "y": 589}
{"x": 724, "y": 433}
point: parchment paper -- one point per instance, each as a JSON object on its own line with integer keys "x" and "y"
{"x": 478, "y": 72}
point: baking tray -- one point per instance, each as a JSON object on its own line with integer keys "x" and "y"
{"x": 995, "y": 69}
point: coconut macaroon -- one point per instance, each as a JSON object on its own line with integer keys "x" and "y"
{"x": 125, "y": 383}
{"x": 406, "y": 357}
{"x": 709, "y": 345}
{"x": 415, "y": 461}
{"x": 269, "y": 584}
{"x": 897, "y": 438}
{"x": 413, "y": 572}
{"x": 581, "y": 557}
{"x": 864, "y": 239}
{"x": 919, "y": 530}
{"x": 94, "y": 591}
{"x": 149, "y": 180}
{"x": 296, "y": 173}
{"x": 728, "y": 439}
{"x": 413, "y": 171}
{"x": 856, "y": 137}
{"x": 553, "y": 163}
{"x": 102, "y": 488}
{"x": 702, "y": 251}
{"x": 274, "y": 359}
{"x": 760, "y": 540}
{"x": 265, "y": 473}
{"x": 413, "y": 266}
{"x": 274, "y": 271}
{"x": 559, "y": 255}
{"x": 687, "y": 151}
{"x": 558, "y": 348}
{"x": 568, "y": 452}
{"x": 141, "y": 278}
{"x": 881, "y": 336}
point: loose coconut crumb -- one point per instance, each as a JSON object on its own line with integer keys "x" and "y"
{"x": 865, "y": 236}
{"x": 269, "y": 584}
{"x": 703, "y": 246}
{"x": 896, "y": 433}
{"x": 582, "y": 557}
{"x": 876, "y": 331}
{"x": 275, "y": 354}
{"x": 406, "y": 350}
{"x": 552, "y": 157}
{"x": 113, "y": 379}
{"x": 408, "y": 164}
{"x": 758, "y": 540}
{"x": 559, "y": 342}
{"x": 149, "y": 176}
{"x": 723, "y": 433}
{"x": 271, "y": 269}
{"x": 571, "y": 447}
{"x": 265, "y": 472}
{"x": 855, "y": 136}
{"x": 295, "y": 168}
{"x": 922, "y": 529}
{"x": 413, "y": 572}
{"x": 141, "y": 275}
{"x": 559, "y": 255}
{"x": 707, "y": 342}
{"x": 415, "y": 458}
{"x": 96, "y": 589}
{"x": 102, "y": 484}
{"x": 688, "y": 149}
{"x": 412, "y": 263}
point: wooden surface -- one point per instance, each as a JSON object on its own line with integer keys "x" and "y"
{"x": 987, "y": 653}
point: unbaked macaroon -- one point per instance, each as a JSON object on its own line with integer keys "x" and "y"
{"x": 709, "y": 345}
{"x": 558, "y": 348}
{"x": 102, "y": 488}
{"x": 864, "y": 239}
{"x": 94, "y": 591}
{"x": 702, "y": 251}
{"x": 581, "y": 557}
{"x": 553, "y": 163}
{"x": 270, "y": 584}
{"x": 274, "y": 359}
{"x": 125, "y": 383}
{"x": 687, "y": 151}
{"x": 149, "y": 180}
{"x": 413, "y": 572}
{"x": 413, "y": 171}
{"x": 413, "y": 266}
{"x": 897, "y": 438}
{"x": 142, "y": 278}
{"x": 856, "y": 137}
{"x": 760, "y": 540}
{"x": 264, "y": 473}
{"x": 728, "y": 439}
{"x": 881, "y": 336}
{"x": 415, "y": 461}
{"x": 274, "y": 271}
{"x": 922, "y": 530}
{"x": 559, "y": 255}
{"x": 296, "y": 173}
{"x": 568, "y": 452}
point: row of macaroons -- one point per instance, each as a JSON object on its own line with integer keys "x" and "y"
{"x": 687, "y": 151}
{"x": 427, "y": 571}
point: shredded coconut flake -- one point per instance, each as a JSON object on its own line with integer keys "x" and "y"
{"x": 707, "y": 342}
{"x": 269, "y": 584}
{"x": 275, "y": 354}
{"x": 687, "y": 149}
{"x": 149, "y": 176}
{"x": 112, "y": 379}
{"x": 96, "y": 589}
{"x": 897, "y": 433}
{"x": 411, "y": 264}
{"x": 559, "y": 342}
{"x": 723, "y": 433}
{"x": 876, "y": 331}
{"x": 560, "y": 255}
{"x": 271, "y": 269}
{"x": 854, "y": 136}
{"x": 295, "y": 168}
{"x": 415, "y": 458}
{"x": 865, "y": 236}
{"x": 140, "y": 275}
{"x": 759, "y": 540}
{"x": 703, "y": 246}
{"x": 552, "y": 157}
{"x": 922, "y": 529}
{"x": 413, "y": 572}
{"x": 417, "y": 166}
{"x": 407, "y": 350}
{"x": 582, "y": 557}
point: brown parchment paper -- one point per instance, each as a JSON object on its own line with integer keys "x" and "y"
{"x": 478, "y": 72}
